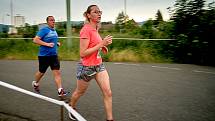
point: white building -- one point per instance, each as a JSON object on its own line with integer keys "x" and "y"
{"x": 12, "y": 30}
{"x": 19, "y": 21}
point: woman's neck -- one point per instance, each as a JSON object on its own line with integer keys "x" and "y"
{"x": 94, "y": 25}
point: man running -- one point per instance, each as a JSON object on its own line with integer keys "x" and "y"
{"x": 47, "y": 38}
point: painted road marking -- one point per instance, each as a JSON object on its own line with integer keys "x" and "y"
{"x": 165, "y": 67}
{"x": 208, "y": 72}
{"x": 127, "y": 64}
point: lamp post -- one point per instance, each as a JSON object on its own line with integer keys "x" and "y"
{"x": 11, "y": 12}
{"x": 68, "y": 24}
{"x": 125, "y": 7}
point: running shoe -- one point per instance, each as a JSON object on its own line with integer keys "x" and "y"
{"x": 62, "y": 93}
{"x": 35, "y": 87}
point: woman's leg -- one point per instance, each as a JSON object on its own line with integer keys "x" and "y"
{"x": 102, "y": 79}
{"x": 79, "y": 91}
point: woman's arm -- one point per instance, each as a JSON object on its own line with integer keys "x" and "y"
{"x": 84, "y": 42}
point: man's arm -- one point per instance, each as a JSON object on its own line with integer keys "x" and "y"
{"x": 37, "y": 40}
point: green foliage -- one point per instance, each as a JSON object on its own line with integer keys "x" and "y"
{"x": 193, "y": 28}
{"x": 69, "y": 49}
{"x": 3, "y": 35}
{"x": 192, "y": 25}
{"x": 17, "y": 49}
{"x": 130, "y": 25}
{"x": 148, "y": 30}
{"x": 158, "y": 18}
{"x": 119, "y": 50}
{"x": 28, "y": 31}
{"x": 120, "y": 21}
{"x": 61, "y": 32}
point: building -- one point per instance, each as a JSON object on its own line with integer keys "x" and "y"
{"x": 12, "y": 30}
{"x": 19, "y": 21}
{"x": 4, "y": 28}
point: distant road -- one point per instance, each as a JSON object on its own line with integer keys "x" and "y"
{"x": 141, "y": 92}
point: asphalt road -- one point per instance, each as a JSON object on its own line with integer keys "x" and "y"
{"x": 141, "y": 92}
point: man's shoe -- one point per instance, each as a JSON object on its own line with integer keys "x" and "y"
{"x": 62, "y": 93}
{"x": 35, "y": 87}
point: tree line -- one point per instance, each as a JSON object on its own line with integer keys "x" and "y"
{"x": 192, "y": 25}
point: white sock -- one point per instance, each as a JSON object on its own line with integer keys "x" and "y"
{"x": 59, "y": 89}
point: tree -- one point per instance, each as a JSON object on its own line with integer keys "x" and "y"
{"x": 158, "y": 18}
{"x": 28, "y": 31}
{"x": 192, "y": 27}
{"x": 120, "y": 21}
{"x": 147, "y": 29}
{"x": 208, "y": 32}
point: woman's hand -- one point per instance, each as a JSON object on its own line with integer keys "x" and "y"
{"x": 106, "y": 41}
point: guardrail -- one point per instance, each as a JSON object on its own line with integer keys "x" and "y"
{"x": 60, "y": 103}
{"x": 112, "y": 38}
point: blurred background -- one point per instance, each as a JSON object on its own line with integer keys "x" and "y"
{"x": 171, "y": 31}
{"x": 151, "y": 34}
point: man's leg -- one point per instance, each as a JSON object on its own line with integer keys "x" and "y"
{"x": 38, "y": 76}
{"x": 35, "y": 84}
{"x": 57, "y": 77}
{"x": 55, "y": 67}
{"x": 43, "y": 65}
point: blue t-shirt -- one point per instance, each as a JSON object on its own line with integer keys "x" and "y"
{"x": 48, "y": 35}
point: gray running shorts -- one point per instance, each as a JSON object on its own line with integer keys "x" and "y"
{"x": 87, "y": 73}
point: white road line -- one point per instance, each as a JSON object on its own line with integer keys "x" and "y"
{"x": 208, "y": 72}
{"x": 152, "y": 66}
{"x": 127, "y": 64}
{"x": 164, "y": 67}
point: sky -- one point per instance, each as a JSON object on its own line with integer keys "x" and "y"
{"x": 36, "y": 11}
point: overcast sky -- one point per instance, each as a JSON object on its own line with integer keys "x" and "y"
{"x": 35, "y": 11}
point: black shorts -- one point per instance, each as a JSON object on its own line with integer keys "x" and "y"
{"x": 46, "y": 61}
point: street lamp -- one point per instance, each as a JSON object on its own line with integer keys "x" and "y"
{"x": 68, "y": 24}
{"x": 125, "y": 6}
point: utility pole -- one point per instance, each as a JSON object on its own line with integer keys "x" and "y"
{"x": 125, "y": 7}
{"x": 12, "y": 29}
{"x": 11, "y": 12}
{"x": 68, "y": 24}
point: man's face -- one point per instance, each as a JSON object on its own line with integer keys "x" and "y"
{"x": 51, "y": 22}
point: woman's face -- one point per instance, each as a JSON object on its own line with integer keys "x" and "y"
{"x": 95, "y": 14}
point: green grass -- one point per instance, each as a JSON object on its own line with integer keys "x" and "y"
{"x": 119, "y": 50}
